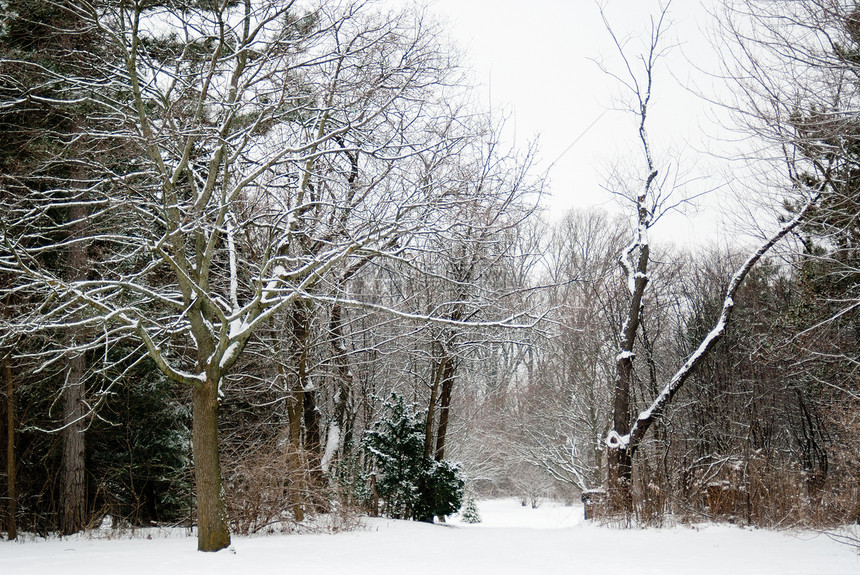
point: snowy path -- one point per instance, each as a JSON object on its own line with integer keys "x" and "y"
{"x": 511, "y": 540}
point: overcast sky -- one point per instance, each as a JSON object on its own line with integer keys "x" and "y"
{"x": 536, "y": 61}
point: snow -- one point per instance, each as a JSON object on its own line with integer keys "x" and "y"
{"x": 238, "y": 326}
{"x": 643, "y": 234}
{"x": 229, "y": 356}
{"x": 625, "y": 355}
{"x": 615, "y": 440}
{"x": 270, "y": 292}
{"x": 510, "y": 539}
{"x": 510, "y": 513}
{"x": 331, "y": 443}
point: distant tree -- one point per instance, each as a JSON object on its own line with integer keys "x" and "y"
{"x": 576, "y": 365}
{"x": 469, "y": 512}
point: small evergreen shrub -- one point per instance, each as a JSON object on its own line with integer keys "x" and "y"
{"x": 412, "y": 486}
{"x": 469, "y": 513}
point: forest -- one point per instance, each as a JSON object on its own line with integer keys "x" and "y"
{"x": 268, "y": 260}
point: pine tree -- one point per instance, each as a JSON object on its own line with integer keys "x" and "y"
{"x": 469, "y": 513}
{"x": 45, "y": 161}
{"x": 413, "y": 486}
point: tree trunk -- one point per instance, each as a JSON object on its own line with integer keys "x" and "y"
{"x": 11, "y": 487}
{"x": 448, "y": 365}
{"x": 311, "y": 417}
{"x": 74, "y": 449}
{"x": 448, "y": 371}
{"x": 74, "y": 407}
{"x": 310, "y": 413}
{"x": 212, "y": 531}
{"x": 313, "y": 441}
{"x": 431, "y": 408}
{"x": 337, "y": 429}
{"x": 300, "y": 415}
{"x": 619, "y": 481}
{"x": 294, "y": 460}
{"x": 619, "y": 461}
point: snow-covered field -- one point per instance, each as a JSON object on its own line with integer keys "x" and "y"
{"x": 510, "y": 539}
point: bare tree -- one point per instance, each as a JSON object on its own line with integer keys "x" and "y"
{"x": 646, "y": 201}
{"x": 563, "y": 418}
{"x": 650, "y": 201}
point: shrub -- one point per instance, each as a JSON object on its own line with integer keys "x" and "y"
{"x": 413, "y": 486}
{"x": 469, "y": 513}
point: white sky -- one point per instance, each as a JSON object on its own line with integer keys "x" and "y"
{"x": 535, "y": 61}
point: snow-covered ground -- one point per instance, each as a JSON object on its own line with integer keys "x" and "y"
{"x": 510, "y": 539}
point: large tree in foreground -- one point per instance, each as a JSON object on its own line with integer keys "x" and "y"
{"x": 269, "y": 146}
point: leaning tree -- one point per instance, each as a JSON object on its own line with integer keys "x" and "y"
{"x": 651, "y": 197}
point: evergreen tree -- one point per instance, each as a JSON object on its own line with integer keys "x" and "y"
{"x": 139, "y": 448}
{"x": 413, "y": 486}
{"x": 469, "y": 513}
{"x": 46, "y": 168}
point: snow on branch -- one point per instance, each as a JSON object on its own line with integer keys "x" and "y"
{"x": 508, "y": 322}
{"x": 658, "y": 406}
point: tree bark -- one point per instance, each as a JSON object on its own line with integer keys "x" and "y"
{"x": 431, "y": 408}
{"x": 11, "y": 468}
{"x": 619, "y": 481}
{"x": 448, "y": 366}
{"x": 619, "y": 459}
{"x": 74, "y": 449}
{"x": 294, "y": 460}
{"x": 310, "y": 414}
{"x": 74, "y": 397}
{"x": 448, "y": 370}
{"x": 313, "y": 442}
{"x": 297, "y": 412}
{"x": 212, "y": 531}
{"x": 338, "y": 432}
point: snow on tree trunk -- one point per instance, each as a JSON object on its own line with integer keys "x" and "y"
{"x": 620, "y": 463}
{"x": 331, "y": 444}
{"x": 343, "y": 383}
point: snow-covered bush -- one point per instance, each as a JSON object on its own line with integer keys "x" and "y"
{"x": 412, "y": 485}
{"x": 469, "y": 513}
